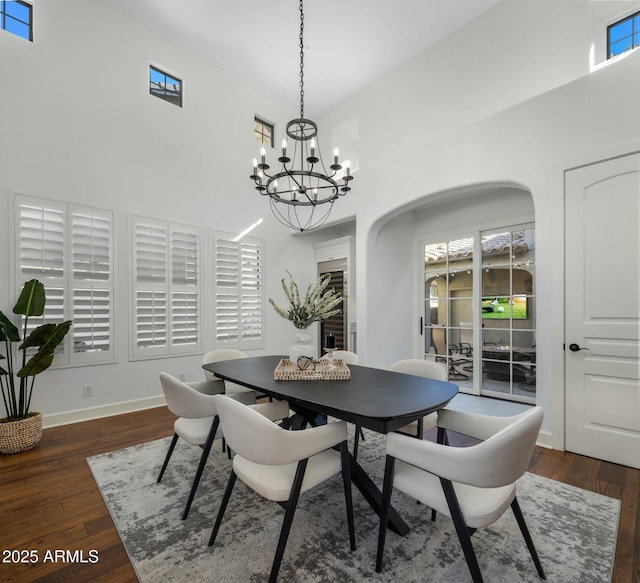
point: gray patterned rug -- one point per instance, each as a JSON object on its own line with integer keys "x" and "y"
{"x": 574, "y": 530}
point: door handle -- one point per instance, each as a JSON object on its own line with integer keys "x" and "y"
{"x": 576, "y": 347}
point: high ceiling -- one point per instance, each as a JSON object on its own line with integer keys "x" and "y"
{"x": 349, "y": 44}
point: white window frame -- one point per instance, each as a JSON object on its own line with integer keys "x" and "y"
{"x": 98, "y": 258}
{"x": 164, "y": 264}
{"x": 238, "y": 291}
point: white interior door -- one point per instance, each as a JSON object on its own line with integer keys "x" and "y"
{"x": 602, "y": 310}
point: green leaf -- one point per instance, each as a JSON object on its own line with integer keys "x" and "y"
{"x": 8, "y": 331}
{"x": 58, "y": 335}
{"x": 37, "y": 363}
{"x": 32, "y": 299}
{"x": 47, "y": 336}
{"x": 39, "y": 336}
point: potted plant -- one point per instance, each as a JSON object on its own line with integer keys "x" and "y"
{"x": 318, "y": 303}
{"x": 22, "y": 429}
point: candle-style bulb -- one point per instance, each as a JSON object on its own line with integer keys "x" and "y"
{"x": 284, "y": 148}
{"x": 336, "y": 153}
{"x": 313, "y": 147}
{"x": 255, "y": 163}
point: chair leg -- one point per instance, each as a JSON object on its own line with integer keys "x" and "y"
{"x": 223, "y": 507}
{"x": 356, "y": 441}
{"x": 203, "y": 462}
{"x": 166, "y": 459}
{"x": 348, "y": 498}
{"x": 288, "y": 519}
{"x": 387, "y": 488}
{"x": 442, "y": 437}
{"x": 462, "y": 530}
{"x": 515, "y": 506}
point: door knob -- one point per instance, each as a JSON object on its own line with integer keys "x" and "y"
{"x": 576, "y": 348}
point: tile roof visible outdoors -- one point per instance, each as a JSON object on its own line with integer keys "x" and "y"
{"x": 491, "y": 244}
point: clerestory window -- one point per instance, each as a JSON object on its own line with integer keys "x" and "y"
{"x": 623, "y": 35}
{"x": 16, "y": 18}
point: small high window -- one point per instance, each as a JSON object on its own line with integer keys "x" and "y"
{"x": 624, "y": 35}
{"x": 165, "y": 86}
{"x": 263, "y": 131}
{"x": 16, "y": 17}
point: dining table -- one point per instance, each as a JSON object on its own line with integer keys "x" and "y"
{"x": 377, "y": 399}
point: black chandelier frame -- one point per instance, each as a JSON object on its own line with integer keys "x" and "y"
{"x": 302, "y": 182}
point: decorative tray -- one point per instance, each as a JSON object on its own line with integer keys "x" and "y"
{"x": 288, "y": 371}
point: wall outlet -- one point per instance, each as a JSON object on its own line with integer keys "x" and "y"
{"x": 182, "y": 376}
{"x": 87, "y": 391}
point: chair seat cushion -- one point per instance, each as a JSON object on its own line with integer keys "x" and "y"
{"x": 480, "y": 506}
{"x": 195, "y": 431}
{"x": 274, "y": 482}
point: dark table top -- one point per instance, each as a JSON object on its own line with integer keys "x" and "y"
{"x": 378, "y": 399}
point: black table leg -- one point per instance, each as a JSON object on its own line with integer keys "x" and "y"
{"x": 359, "y": 477}
{"x": 373, "y": 496}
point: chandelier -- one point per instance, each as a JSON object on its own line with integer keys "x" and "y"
{"x": 301, "y": 192}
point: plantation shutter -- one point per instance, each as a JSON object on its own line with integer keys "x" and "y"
{"x": 150, "y": 242}
{"x": 69, "y": 248}
{"x": 42, "y": 231}
{"x": 166, "y": 299}
{"x": 185, "y": 304}
{"x": 251, "y": 290}
{"x": 92, "y": 281}
{"x": 239, "y": 293}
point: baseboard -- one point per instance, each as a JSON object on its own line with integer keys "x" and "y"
{"x": 545, "y": 439}
{"x": 57, "y": 419}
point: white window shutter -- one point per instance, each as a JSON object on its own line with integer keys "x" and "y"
{"x": 185, "y": 288}
{"x": 92, "y": 283}
{"x": 166, "y": 273}
{"x": 69, "y": 248}
{"x": 239, "y": 292}
{"x": 41, "y": 232}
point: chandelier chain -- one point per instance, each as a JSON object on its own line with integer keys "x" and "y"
{"x": 301, "y": 59}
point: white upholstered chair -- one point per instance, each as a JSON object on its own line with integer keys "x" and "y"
{"x": 473, "y": 485}
{"x": 198, "y": 422}
{"x": 280, "y": 465}
{"x": 345, "y": 356}
{"x": 218, "y": 356}
{"x": 422, "y": 368}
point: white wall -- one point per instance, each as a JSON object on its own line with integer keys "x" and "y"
{"x": 77, "y": 123}
{"x": 473, "y": 114}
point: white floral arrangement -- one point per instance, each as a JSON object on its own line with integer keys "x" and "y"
{"x": 319, "y": 302}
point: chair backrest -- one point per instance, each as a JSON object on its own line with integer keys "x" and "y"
{"x": 421, "y": 368}
{"x": 218, "y": 356}
{"x": 439, "y": 337}
{"x": 256, "y": 438}
{"x": 184, "y": 401}
{"x": 505, "y": 456}
{"x": 346, "y": 356}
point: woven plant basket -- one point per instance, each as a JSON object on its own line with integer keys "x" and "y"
{"x": 21, "y": 435}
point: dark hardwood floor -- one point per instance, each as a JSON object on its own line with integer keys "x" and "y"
{"x": 49, "y": 501}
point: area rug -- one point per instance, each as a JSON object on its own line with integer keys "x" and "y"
{"x": 574, "y": 530}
